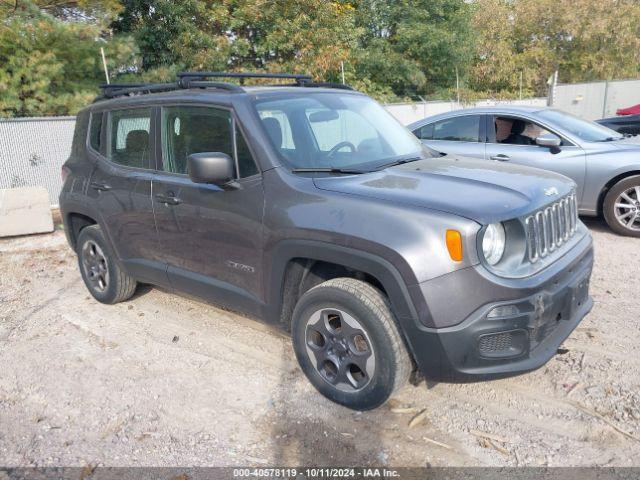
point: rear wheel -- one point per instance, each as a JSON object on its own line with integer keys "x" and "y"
{"x": 348, "y": 345}
{"x": 622, "y": 207}
{"x": 104, "y": 277}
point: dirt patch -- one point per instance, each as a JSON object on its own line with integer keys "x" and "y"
{"x": 163, "y": 380}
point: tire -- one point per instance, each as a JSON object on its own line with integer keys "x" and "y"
{"x": 348, "y": 345}
{"x": 102, "y": 274}
{"x": 625, "y": 192}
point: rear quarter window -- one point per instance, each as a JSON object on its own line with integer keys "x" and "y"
{"x": 80, "y": 134}
{"x": 95, "y": 131}
{"x": 425, "y": 132}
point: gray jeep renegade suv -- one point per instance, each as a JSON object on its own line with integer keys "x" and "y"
{"x": 307, "y": 205}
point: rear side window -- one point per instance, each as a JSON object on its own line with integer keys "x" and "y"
{"x": 129, "y": 137}
{"x": 188, "y": 130}
{"x": 425, "y": 132}
{"x": 95, "y": 131}
{"x": 458, "y": 129}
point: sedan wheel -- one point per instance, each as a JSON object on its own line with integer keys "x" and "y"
{"x": 627, "y": 208}
{"x": 622, "y": 207}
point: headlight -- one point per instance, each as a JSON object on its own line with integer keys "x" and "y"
{"x": 493, "y": 243}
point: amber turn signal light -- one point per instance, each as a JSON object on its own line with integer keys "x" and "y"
{"x": 454, "y": 245}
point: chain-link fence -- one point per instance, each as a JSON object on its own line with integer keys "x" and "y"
{"x": 32, "y": 151}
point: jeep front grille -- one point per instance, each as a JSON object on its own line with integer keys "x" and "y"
{"x": 549, "y": 228}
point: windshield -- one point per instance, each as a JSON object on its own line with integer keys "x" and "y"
{"x": 336, "y": 130}
{"x": 583, "y": 129}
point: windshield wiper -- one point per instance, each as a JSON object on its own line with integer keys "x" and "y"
{"x": 399, "y": 162}
{"x": 328, "y": 170}
{"x": 610, "y": 139}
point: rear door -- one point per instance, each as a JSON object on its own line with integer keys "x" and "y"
{"x": 569, "y": 160}
{"x": 121, "y": 143}
{"x": 211, "y": 236}
{"x": 458, "y": 135}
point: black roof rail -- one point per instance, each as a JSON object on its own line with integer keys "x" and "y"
{"x": 205, "y": 84}
{"x": 184, "y": 77}
{"x": 117, "y": 86}
{"x": 341, "y": 86}
{"x": 199, "y": 80}
{"x": 120, "y": 89}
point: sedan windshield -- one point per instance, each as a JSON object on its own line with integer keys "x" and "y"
{"x": 587, "y": 131}
{"x": 336, "y": 131}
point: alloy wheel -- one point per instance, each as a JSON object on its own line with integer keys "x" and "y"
{"x": 95, "y": 266}
{"x": 340, "y": 349}
{"x": 627, "y": 208}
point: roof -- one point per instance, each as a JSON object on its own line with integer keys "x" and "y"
{"x": 207, "y": 87}
{"x": 502, "y": 109}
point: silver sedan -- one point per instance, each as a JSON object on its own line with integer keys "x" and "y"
{"x": 604, "y": 164}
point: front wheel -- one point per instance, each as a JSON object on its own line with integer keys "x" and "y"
{"x": 348, "y": 345}
{"x": 622, "y": 207}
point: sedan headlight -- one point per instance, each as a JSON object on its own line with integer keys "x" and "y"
{"x": 493, "y": 243}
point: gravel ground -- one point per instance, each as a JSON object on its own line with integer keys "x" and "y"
{"x": 162, "y": 380}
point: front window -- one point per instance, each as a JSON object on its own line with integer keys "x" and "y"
{"x": 335, "y": 130}
{"x": 587, "y": 131}
{"x": 192, "y": 129}
{"x": 516, "y": 131}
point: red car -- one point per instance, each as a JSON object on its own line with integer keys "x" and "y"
{"x": 627, "y": 122}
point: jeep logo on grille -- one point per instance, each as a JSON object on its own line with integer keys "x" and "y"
{"x": 551, "y": 191}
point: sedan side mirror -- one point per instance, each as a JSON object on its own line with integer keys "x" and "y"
{"x": 551, "y": 141}
{"x": 210, "y": 167}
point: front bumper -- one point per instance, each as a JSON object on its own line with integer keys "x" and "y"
{"x": 538, "y": 314}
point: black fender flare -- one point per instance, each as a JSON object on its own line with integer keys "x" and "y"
{"x": 70, "y": 207}
{"x": 380, "y": 268}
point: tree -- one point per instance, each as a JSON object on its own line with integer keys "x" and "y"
{"x": 310, "y": 36}
{"x": 51, "y": 66}
{"x": 585, "y": 40}
{"x": 414, "y": 46}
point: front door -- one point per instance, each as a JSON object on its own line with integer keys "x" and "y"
{"x": 211, "y": 236}
{"x": 512, "y": 139}
{"x": 121, "y": 144}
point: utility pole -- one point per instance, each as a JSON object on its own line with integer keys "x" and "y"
{"x": 520, "y": 84}
{"x": 104, "y": 64}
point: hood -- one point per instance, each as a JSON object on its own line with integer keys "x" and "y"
{"x": 480, "y": 190}
{"x": 627, "y": 143}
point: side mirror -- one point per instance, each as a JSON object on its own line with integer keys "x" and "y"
{"x": 551, "y": 141}
{"x": 210, "y": 167}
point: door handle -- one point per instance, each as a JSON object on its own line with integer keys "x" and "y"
{"x": 168, "y": 199}
{"x": 500, "y": 158}
{"x": 102, "y": 187}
